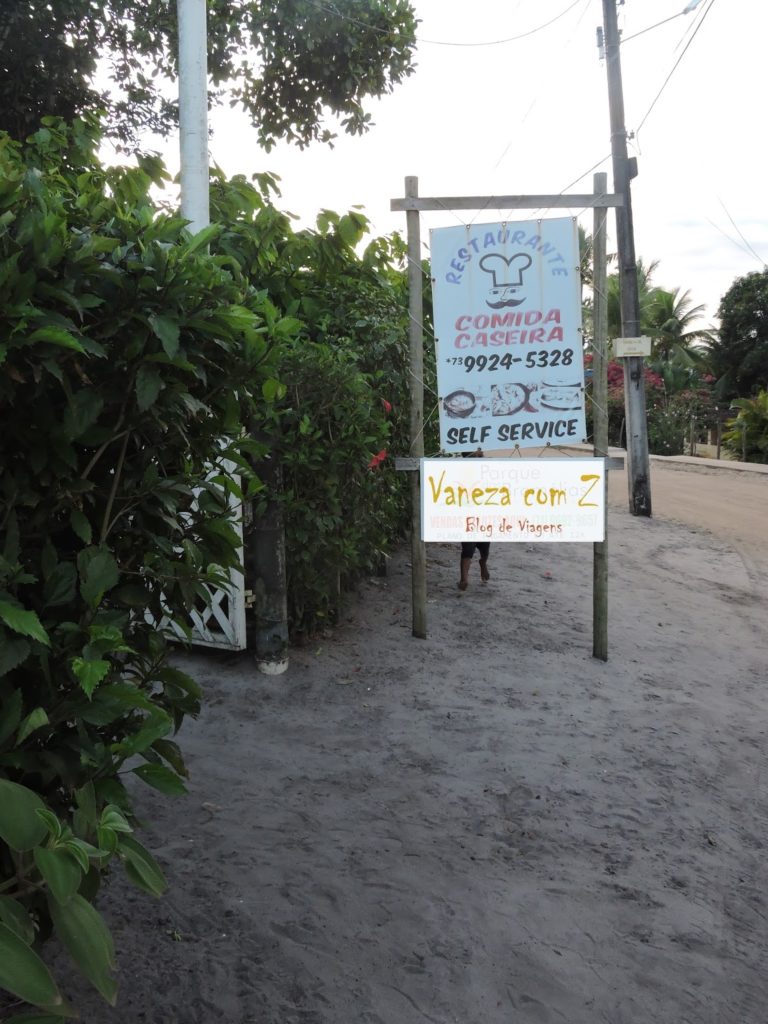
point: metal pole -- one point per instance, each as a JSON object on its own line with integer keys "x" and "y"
{"x": 193, "y": 113}
{"x": 416, "y": 334}
{"x": 638, "y": 463}
{"x": 600, "y": 415}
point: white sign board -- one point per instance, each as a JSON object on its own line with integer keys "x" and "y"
{"x": 529, "y": 500}
{"x": 507, "y": 315}
{"x": 626, "y": 347}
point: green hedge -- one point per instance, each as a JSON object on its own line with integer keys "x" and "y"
{"x": 129, "y": 360}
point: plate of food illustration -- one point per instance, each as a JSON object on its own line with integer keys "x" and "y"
{"x": 460, "y": 404}
{"x": 507, "y": 399}
{"x": 560, "y": 397}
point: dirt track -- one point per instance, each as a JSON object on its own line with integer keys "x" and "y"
{"x": 730, "y": 503}
{"x": 487, "y": 826}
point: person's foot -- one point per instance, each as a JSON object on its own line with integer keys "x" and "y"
{"x": 462, "y": 584}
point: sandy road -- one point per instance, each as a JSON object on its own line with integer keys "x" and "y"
{"x": 729, "y": 503}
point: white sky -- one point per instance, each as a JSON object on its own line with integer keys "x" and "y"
{"x": 531, "y": 116}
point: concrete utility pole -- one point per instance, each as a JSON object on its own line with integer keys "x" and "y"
{"x": 193, "y": 112}
{"x": 638, "y": 463}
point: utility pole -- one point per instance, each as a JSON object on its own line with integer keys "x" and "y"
{"x": 193, "y": 112}
{"x": 638, "y": 463}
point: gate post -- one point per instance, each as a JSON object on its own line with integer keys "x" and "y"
{"x": 265, "y": 560}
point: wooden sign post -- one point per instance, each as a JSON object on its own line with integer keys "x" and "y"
{"x": 412, "y": 204}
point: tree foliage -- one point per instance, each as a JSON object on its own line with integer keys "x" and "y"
{"x": 747, "y": 434}
{"x": 346, "y": 400}
{"x": 135, "y": 363}
{"x": 738, "y": 354}
{"x": 130, "y": 362}
{"x": 671, "y": 323}
{"x": 286, "y": 63}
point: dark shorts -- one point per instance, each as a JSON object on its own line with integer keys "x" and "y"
{"x": 468, "y": 548}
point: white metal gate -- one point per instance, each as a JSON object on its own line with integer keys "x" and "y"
{"x": 220, "y": 621}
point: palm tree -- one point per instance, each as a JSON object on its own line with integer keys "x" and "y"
{"x": 645, "y": 293}
{"x": 670, "y": 320}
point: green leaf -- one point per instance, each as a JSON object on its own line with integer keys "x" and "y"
{"x": 172, "y": 753}
{"x": 60, "y": 870}
{"x": 52, "y": 823}
{"x": 13, "y": 651}
{"x": 82, "y": 412}
{"x": 79, "y": 523}
{"x": 349, "y": 231}
{"x": 22, "y": 621}
{"x": 112, "y": 817}
{"x": 202, "y": 238}
{"x": 86, "y": 801}
{"x": 10, "y": 711}
{"x": 167, "y": 330}
{"x": 272, "y": 389}
{"x": 90, "y": 673}
{"x": 24, "y": 974}
{"x": 141, "y": 867}
{"x": 98, "y": 574}
{"x": 34, "y": 720}
{"x": 107, "y": 839}
{"x": 61, "y": 585}
{"x": 55, "y": 336}
{"x": 87, "y": 940}
{"x": 160, "y": 777}
{"x": 15, "y": 916}
{"x": 156, "y": 725}
{"x": 132, "y": 594}
{"x": 20, "y": 825}
{"x": 149, "y": 384}
{"x": 82, "y": 852}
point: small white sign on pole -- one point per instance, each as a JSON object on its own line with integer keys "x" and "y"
{"x": 531, "y": 500}
{"x": 625, "y": 348}
{"x": 507, "y": 315}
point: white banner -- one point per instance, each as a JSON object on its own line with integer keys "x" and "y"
{"x": 507, "y": 314}
{"x": 529, "y": 500}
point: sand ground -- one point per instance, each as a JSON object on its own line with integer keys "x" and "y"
{"x": 487, "y": 826}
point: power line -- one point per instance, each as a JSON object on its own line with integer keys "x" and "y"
{"x": 538, "y": 95}
{"x": 332, "y": 9}
{"x": 739, "y": 232}
{"x": 675, "y": 66}
{"x": 725, "y": 234}
{"x": 592, "y": 168}
{"x": 510, "y": 39}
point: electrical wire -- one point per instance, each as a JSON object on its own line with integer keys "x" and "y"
{"x": 332, "y": 9}
{"x": 739, "y": 232}
{"x": 581, "y": 176}
{"x": 733, "y": 241}
{"x": 509, "y": 39}
{"x": 538, "y": 95}
{"x": 675, "y": 66}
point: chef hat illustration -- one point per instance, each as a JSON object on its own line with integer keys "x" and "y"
{"x": 506, "y": 271}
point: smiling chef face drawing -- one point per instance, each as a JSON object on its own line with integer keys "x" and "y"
{"x": 506, "y": 273}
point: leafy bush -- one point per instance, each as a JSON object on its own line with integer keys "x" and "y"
{"x": 130, "y": 360}
{"x": 669, "y": 411}
{"x": 346, "y": 406}
{"x": 341, "y": 508}
{"x": 748, "y": 432}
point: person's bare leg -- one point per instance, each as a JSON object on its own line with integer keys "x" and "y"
{"x": 464, "y": 581}
{"x": 484, "y": 574}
